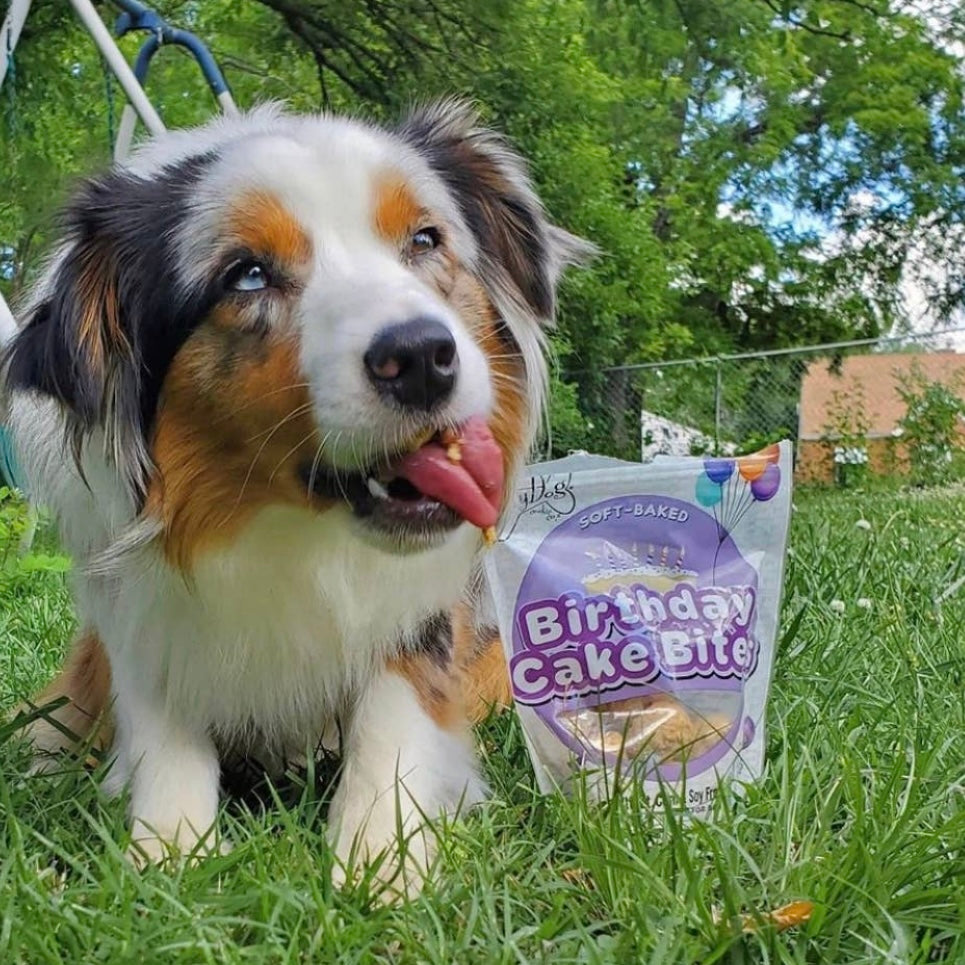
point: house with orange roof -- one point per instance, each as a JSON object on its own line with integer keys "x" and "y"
{"x": 852, "y": 404}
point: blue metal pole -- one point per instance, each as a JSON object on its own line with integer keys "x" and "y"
{"x": 138, "y": 17}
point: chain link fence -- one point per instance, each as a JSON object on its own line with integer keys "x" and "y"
{"x": 738, "y": 403}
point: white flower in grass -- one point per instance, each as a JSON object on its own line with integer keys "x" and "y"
{"x": 850, "y": 455}
{"x": 837, "y": 606}
{"x": 863, "y": 524}
{"x": 864, "y": 603}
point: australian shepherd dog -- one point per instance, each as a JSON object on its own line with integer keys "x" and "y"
{"x": 236, "y": 386}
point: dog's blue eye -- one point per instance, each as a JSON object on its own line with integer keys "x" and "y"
{"x": 424, "y": 240}
{"x": 247, "y": 276}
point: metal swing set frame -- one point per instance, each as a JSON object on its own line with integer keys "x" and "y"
{"x": 134, "y": 16}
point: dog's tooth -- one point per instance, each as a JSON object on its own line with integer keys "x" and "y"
{"x": 420, "y": 440}
{"x": 376, "y": 488}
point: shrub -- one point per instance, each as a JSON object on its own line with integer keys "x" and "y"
{"x": 931, "y": 427}
{"x": 847, "y": 430}
{"x": 19, "y": 560}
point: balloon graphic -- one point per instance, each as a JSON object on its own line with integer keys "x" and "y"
{"x": 719, "y": 470}
{"x": 771, "y": 453}
{"x": 767, "y": 484}
{"x": 752, "y": 467}
{"x": 747, "y": 733}
{"x": 708, "y": 492}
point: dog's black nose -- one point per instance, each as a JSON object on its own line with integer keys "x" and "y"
{"x": 415, "y": 362}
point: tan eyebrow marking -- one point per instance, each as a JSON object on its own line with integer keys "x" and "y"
{"x": 261, "y": 223}
{"x": 397, "y": 212}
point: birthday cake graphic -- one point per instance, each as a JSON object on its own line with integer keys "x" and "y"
{"x": 658, "y": 568}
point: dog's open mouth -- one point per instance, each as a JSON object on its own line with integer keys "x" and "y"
{"x": 433, "y": 487}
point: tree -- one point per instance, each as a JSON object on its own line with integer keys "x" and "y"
{"x": 757, "y": 173}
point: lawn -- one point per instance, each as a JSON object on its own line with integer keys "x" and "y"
{"x": 861, "y": 810}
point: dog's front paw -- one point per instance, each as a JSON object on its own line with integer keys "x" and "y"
{"x": 151, "y": 847}
{"x": 148, "y": 849}
{"x": 393, "y": 861}
{"x": 390, "y": 838}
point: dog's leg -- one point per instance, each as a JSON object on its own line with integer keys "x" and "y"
{"x": 174, "y": 776}
{"x": 408, "y": 758}
{"x": 85, "y": 681}
{"x": 479, "y": 657}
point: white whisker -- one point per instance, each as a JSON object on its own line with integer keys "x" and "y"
{"x": 257, "y": 455}
{"x": 259, "y": 398}
{"x": 293, "y": 449}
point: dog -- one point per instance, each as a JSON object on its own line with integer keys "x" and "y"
{"x": 232, "y": 387}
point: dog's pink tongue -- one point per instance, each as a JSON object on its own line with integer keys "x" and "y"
{"x": 472, "y": 487}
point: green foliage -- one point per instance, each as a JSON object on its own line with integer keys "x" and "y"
{"x": 19, "y": 560}
{"x": 846, "y": 433}
{"x": 570, "y": 428}
{"x": 932, "y": 426}
{"x": 760, "y": 400}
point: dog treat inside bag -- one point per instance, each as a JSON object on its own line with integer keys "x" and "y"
{"x": 638, "y": 605}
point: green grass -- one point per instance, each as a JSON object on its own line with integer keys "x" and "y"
{"x": 861, "y": 810}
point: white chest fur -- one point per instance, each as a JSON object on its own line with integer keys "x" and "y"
{"x": 273, "y": 630}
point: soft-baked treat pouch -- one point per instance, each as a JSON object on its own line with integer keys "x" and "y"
{"x": 639, "y": 609}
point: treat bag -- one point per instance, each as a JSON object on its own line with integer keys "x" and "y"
{"x": 639, "y": 607}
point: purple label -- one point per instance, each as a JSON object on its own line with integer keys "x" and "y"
{"x": 634, "y": 596}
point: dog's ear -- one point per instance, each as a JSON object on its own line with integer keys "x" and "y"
{"x": 517, "y": 244}
{"x": 84, "y": 341}
{"x": 74, "y": 336}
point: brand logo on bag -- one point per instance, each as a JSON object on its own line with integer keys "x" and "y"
{"x": 550, "y": 496}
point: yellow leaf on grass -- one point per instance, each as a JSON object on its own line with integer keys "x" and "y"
{"x": 787, "y": 916}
